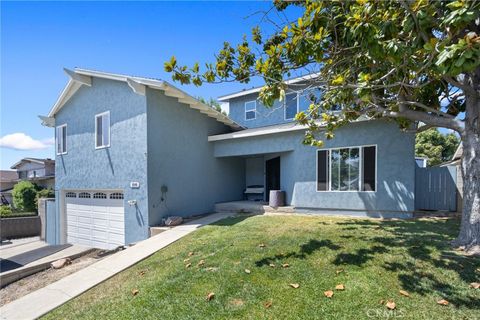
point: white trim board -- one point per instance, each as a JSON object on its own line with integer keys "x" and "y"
{"x": 284, "y": 127}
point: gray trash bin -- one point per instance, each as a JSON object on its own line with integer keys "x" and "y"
{"x": 277, "y": 198}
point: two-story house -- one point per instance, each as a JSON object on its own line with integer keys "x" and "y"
{"x": 131, "y": 151}
{"x": 38, "y": 171}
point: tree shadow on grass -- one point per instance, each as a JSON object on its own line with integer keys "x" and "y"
{"x": 359, "y": 257}
{"x": 426, "y": 244}
{"x": 230, "y": 221}
{"x": 305, "y": 250}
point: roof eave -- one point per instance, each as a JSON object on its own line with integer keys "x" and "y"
{"x": 79, "y": 77}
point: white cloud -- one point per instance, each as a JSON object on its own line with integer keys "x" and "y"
{"x": 21, "y": 141}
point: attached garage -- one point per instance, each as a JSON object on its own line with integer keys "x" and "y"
{"x": 95, "y": 218}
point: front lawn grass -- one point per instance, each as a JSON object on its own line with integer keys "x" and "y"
{"x": 373, "y": 259}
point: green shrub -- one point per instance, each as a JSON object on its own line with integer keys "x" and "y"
{"x": 5, "y": 211}
{"x": 45, "y": 193}
{"x": 24, "y": 196}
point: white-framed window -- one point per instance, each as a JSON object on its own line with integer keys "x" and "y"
{"x": 84, "y": 195}
{"x": 102, "y": 130}
{"x": 250, "y": 110}
{"x": 70, "y": 195}
{"x": 291, "y": 105}
{"x": 347, "y": 169}
{"x": 61, "y": 143}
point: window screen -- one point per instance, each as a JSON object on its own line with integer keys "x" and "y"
{"x": 291, "y": 106}
{"x": 250, "y": 110}
{"x": 322, "y": 170}
{"x": 62, "y": 139}
{"x": 102, "y": 134}
{"x": 369, "y": 159}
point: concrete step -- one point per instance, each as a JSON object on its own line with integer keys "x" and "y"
{"x": 250, "y": 207}
{"x": 286, "y": 209}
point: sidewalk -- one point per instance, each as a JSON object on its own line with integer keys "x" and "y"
{"x": 40, "y": 302}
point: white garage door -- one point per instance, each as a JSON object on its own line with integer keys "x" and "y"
{"x": 95, "y": 218}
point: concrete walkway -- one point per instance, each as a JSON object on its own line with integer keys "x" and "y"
{"x": 40, "y": 302}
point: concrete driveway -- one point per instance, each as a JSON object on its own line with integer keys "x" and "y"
{"x": 23, "y": 257}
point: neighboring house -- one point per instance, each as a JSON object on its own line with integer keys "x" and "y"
{"x": 38, "y": 171}
{"x": 131, "y": 151}
{"x": 8, "y": 179}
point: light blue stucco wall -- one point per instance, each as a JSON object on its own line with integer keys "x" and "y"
{"x": 265, "y": 116}
{"x": 84, "y": 167}
{"x": 181, "y": 158}
{"x": 255, "y": 171}
{"x": 395, "y": 166}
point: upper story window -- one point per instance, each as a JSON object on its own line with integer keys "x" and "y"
{"x": 102, "y": 130}
{"x": 61, "y": 139}
{"x": 291, "y": 105}
{"x": 347, "y": 169}
{"x": 250, "y": 110}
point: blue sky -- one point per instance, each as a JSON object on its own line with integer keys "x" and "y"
{"x": 39, "y": 39}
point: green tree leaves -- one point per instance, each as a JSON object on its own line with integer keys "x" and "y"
{"x": 436, "y": 147}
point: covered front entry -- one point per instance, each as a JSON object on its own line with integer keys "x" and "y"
{"x": 95, "y": 218}
{"x": 272, "y": 176}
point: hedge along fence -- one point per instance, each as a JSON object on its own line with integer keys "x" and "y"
{"x": 26, "y": 196}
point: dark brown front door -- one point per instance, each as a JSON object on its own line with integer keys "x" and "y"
{"x": 272, "y": 169}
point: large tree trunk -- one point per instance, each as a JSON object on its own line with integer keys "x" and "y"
{"x": 469, "y": 236}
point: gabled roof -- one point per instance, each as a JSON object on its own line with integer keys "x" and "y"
{"x": 257, "y": 89}
{"x": 8, "y": 175}
{"x": 458, "y": 153}
{"x": 34, "y": 160}
{"x": 83, "y": 77}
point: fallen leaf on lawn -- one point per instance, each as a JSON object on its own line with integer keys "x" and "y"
{"x": 381, "y": 301}
{"x": 188, "y": 265}
{"x": 404, "y": 293}
{"x": 475, "y": 285}
{"x": 443, "y": 302}
{"x": 210, "y": 296}
{"x": 186, "y": 260}
{"x": 262, "y": 245}
{"x": 268, "y": 304}
{"x": 339, "y": 271}
{"x": 390, "y": 305}
{"x": 285, "y": 265}
{"x": 328, "y": 293}
{"x": 294, "y": 285}
{"x": 340, "y": 287}
{"x": 201, "y": 263}
{"x": 135, "y": 292}
{"x": 272, "y": 265}
{"x": 190, "y": 253}
{"x": 248, "y": 271}
{"x": 142, "y": 273}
